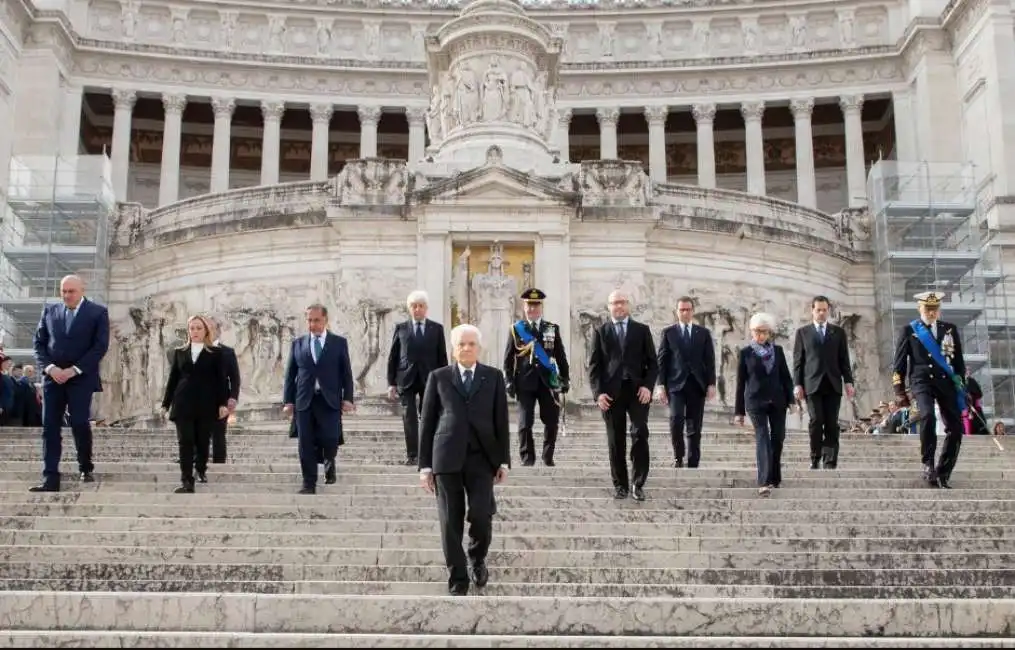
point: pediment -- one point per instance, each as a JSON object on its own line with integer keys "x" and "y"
{"x": 492, "y": 186}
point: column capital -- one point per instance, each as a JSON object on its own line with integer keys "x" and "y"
{"x": 321, "y": 112}
{"x": 656, "y": 114}
{"x": 174, "y": 103}
{"x": 272, "y": 110}
{"x": 608, "y": 115}
{"x": 801, "y": 107}
{"x": 703, "y": 112}
{"x": 564, "y": 115}
{"x": 851, "y": 103}
{"x": 752, "y": 111}
{"x": 124, "y": 99}
{"x": 369, "y": 115}
{"x": 415, "y": 114}
{"x": 223, "y": 106}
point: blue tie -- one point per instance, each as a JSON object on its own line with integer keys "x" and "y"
{"x": 68, "y": 319}
{"x": 318, "y": 349}
{"x": 468, "y": 381}
{"x": 821, "y": 332}
{"x": 419, "y": 329}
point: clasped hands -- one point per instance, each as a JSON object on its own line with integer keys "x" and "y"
{"x": 426, "y": 479}
{"x": 62, "y": 375}
{"x": 347, "y": 407}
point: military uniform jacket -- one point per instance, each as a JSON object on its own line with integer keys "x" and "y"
{"x": 524, "y": 372}
{"x": 914, "y": 361}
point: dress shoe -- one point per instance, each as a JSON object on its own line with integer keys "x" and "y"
{"x": 202, "y": 477}
{"x": 87, "y": 477}
{"x": 620, "y": 493}
{"x": 480, "y": 575}
{"x": 815, "y": 464}
{"x": 411, "y": 461}
{"x": 639, "y": 493}
{"x": 528, "y": 462}
{"x": 930, "y": 475}
{"x": 549, "y": 462}
{"x": 678, "y": 462}
{"x": 330, "y": 473}
{"x": 45, "y": 487}
{"x": 186, "y": 488}
{"x": 307, "y": 490}
{"x": 944, "y": 481}
{"x": 832, "y": 465}
{"x": 458, "y": 588}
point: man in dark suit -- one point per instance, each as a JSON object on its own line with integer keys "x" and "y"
{"x": 218, "y": 433}
{"x": 686, "y": 378}
{"x": 70, "y": 341}
{"x": 929, "y": 353}
{"x": 536, "y": 371}
{"x": 821, "y": 368}
{"x": 10, "y": 395}
{"x": 464, "y": 448}
{"x": 622, "y": 373}
{"x": 417, "y": 349}
{"x": 318, "y": 386}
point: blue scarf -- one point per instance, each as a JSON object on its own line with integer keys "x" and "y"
{"x": 767, "y": 354}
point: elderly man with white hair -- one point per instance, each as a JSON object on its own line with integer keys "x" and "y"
{"x": 765, "y": 393}
{"x": 464, "y": 448}
{"x": 417, "y": 349}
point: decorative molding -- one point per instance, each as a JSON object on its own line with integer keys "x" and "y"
{"x": 369, "y": 115}
{"x": 656, "y": 114}
{"x": 752, "y": 110}
{"x": 801, "y": 107}
{"x": 321, "y": 112}
{"x": 607, "y": 116}
{"x": 415, "y": 115}
{"x": 174, "y": 103}
{"x": 851, "y": 104}
{"x": 703, "y": 113}
{"x": 223, "y": 106}
{"x": 272, "y": 110}
{"x": 123, "y": 99}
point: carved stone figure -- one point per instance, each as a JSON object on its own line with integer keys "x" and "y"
{"x": 606, "y": 38}
{"x": 460, "y": 287}
{"x": 495, "y": 295}
{"x": 372, "y": 182}
{"x": 750, "y": 34}
{"x": 276, "y": 34}
{"x": 614, "y": 183}
{"x": 228, "y": 24}
{"x": 324, "y": 37}
{"x": 798, "y": 28}
{"x": 847, "y": 37}
{"x": 654, "y": 39}
{"x": 179, "y": 28}
{"x": 522, "y": 102}
{"x": 371, "y": 39}
{"x": 128, "y": 18}
{"x": 494, "y": 92}
{"x": 702, "y": 35}
{"x": 466, "y": 97}
{"x": 434, "y": 115}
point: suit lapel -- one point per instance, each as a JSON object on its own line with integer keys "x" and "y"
{"x": 456, "y": 381}
{"x": 478, "y": 380}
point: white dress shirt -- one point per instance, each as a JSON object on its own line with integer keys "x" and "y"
{"x": 323, "y": 336}
{"x": 77, "y": 370}
{"x": 932, "y": 326}
{"x": 195, "y": 351}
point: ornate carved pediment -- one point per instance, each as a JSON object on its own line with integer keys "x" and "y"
{"x": 614, "y": 183}
{"x": 493, "y": 186}
{"x": 372, "y": 181}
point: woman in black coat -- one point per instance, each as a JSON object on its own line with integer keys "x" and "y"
{"x": 765, "y": 393}
{"x": 197, "y": 394}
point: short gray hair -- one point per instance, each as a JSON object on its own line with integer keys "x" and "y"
{"x": 762, "y": 320}
{"x": 465, "y": 328}
{"x": 417, "y": 297}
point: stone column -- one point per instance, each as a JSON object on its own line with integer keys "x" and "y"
{"x": 169, "y": 180}
{"x": 220, "y": 147}
{"x": 564, "y": 133}
{"x": 320, "y": 115}
{"x": 754, "y": 146}
{"x": 608, "y": 132}
{"x": 70, "y": 122}
{"x": 856, "y": 168}
{"x": 704, "y": 117}
{"x": 905, "y": 126}
{"x": 806, "y": 190}
{"x": 369, "y": 116}
{"x": 123, "y": 108}
{"x": 553, "y": 274}
{"x": 433, "y": 265}
{"x": 416, "y": 117}
{"x": 656, "y": 118}
{"x": 271, "y": 142}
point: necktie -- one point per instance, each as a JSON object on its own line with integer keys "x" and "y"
{"x": 318, "y": 348}
{"x": 467, "y": 380}
{"x": 533, "y": 326}
{"x": 620, "y": 331}
{"x": 821, "y": 331}
{"x": 687, "y": 332}
{"x": 419, "y": 330}
{"x": 68, "y": 320}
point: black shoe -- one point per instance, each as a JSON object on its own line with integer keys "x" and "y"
{"x": 678, "y": 462}
{"x": 202, "y": 477}
{"x": 620, "y": 493}
{"x": 480, "y": 575}
{"x": 186, "y": 488}
{"x": 944, "y": 481}
{"x": 411, "y": 461}
{"x": 828, "y": 465}
{"x": 528, "y": 462}
{"x": 307, "y": 490}
{"x": 458, "y": 588}
{"x": 549, "y": 462}
{"x": 639, "y": 493}
{"x": 329, "y": 477}
{"x": 815, "y": 464}
{"x": 930, "y": 475}
{"x": 87, "y": 477}
{"x": 44, "y": 487}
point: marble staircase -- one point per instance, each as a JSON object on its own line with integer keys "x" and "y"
{"x": 861, "y": 556}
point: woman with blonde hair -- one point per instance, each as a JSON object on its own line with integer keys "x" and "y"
{"x": 765, "y": 393}
{"x": 197, "y": 394}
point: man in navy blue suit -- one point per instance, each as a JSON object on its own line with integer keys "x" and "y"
{"x": 318, "y": 385}
{"x": 70, "y": 342}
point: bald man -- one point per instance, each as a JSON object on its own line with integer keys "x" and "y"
{"x": 70, "y": 342}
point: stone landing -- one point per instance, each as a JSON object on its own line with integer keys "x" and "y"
{"x": 862, "y": 556}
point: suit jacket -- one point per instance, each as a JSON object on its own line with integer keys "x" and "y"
{"x": 82, "y": 347}
{"x": 411, "y": 360}
{"x": 912, "y": 359}
{"x": 8, "y": 396}
{"x": 196, "y": 389}
{"x": 814, "y": 359}
{"x": 451, "y": 417}
{"x": 757, "y": 388}
{"x": 681, "y": 361}
{"x": 333, "y": 372}
{"x": 609, "y": 364}
{"x": 523, "y": 374}
{"x": 232, "y": 367}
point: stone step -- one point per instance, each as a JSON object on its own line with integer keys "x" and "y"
{"x": 272, "y": 613}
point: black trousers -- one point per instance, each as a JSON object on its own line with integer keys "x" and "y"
{"x": 687, "y": 412}
{"x": 193, "y": 436}
{"x": 475, "y": 483}
{"x": 769, "y": 435}
{"x": 823, "y": 409}
{"x": 412, "y": 406}
{"x": 549, "y": 415}
{"x": 947, "y": 401}
{"x": 218, "y": 441}
{"x": 626, "y": 405}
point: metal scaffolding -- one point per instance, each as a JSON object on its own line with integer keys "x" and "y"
{"x": 930, "y": 236}
{"x": 56, "y": 221}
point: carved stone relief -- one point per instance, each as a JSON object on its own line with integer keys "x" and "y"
{"x": 372, "y": 181}
{"x": 616, "y": 183}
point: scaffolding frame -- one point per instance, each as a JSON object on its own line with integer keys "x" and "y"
{"x": 56, "y": 221}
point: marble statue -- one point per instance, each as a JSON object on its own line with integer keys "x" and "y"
{"x": 750, "y": 32}
{"x": 494, "y": 92}
{"x": 276, "y": 34}
{"x": 466, "y": 97}
{"x": 702, "y": 35}
{"x": 434, "y": 115}
{"x": 179, "y": 29}
{"x": 228, "y": 27}
{"x": 460, "y": 287}
{"x": 128, "y": 18}
{"x": 522, "y": 104}
{"x": 323, "y": 38}
{"x": 798, "y": 26}
{"x": 847, "y": 38}
{"x": 496, "y": 295}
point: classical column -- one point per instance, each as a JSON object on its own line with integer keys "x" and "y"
{"x": 169, "y": 179}
{"x": 220, "y": 148}
{"x": 856, "y": 168}
{"x": 905, "y": 126}
{"x": 369, "y": 116}
{"x": 704, "y": 117}
{"x": 271, "y": 141}
{"x": 320, "y": 115}
{"x": 123, "y": 108}
{"x": 70, "y": 120}
{"x": 656, "y": 118}
{"x": 754, "y": 148}
{"x": 416, "y": 117}
{"x": 806, "y": 191}
{"x": 608, "y": 132}
{"x": 564, "y": 133}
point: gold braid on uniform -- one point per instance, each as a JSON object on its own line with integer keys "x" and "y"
{"x": 896, "y": 379}
{"x": 523, "y": 349}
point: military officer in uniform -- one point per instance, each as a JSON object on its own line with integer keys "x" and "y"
{"x": 929, "y": 352}
{"x": 535, "y": 366}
